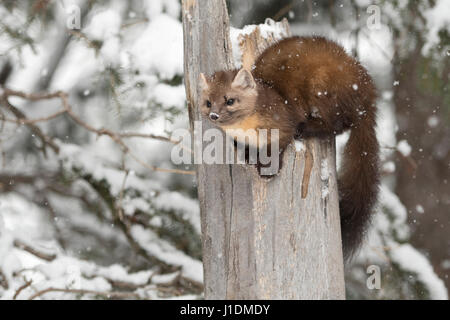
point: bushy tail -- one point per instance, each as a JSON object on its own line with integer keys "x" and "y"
{"x": 359, "y": 181}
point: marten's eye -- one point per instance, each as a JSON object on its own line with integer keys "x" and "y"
{"x": 208, "y": 104}
{"x": 230, "y": 102}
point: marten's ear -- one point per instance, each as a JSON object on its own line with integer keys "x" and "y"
{"x": 203, "y": 82}
{"x": 244, "y": 80}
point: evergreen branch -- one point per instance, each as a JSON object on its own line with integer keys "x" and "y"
{"x": 116, "y": 137}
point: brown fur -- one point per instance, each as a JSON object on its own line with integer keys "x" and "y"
{"x": 305, "y": 87}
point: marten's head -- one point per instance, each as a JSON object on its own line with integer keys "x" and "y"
{"x": 228, "y": 96}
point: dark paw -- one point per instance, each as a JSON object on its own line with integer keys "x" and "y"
{"x": 300, "y": 131}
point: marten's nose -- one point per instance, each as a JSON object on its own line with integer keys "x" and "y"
{"x": 213, "y": 116}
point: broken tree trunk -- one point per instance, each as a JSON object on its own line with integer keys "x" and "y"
{"x": 275, "y": 238}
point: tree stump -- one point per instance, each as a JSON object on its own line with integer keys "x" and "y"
{"x": 276, "y": 238}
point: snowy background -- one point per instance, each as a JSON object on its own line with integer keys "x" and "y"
{"x": 91, "y": 205}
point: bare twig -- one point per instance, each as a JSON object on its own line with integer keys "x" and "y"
{"x": 22, "y": 287}
{"x": 31, "y": 96}
{"x": 121, "y": 285}
{"x": 284, "y": 10}
{"x": 129, "y": 24}
{"x": 156, "y": 137}
{"x": 147, "y": 135}
{"x": 82, "y": 36}
{"x": 33, "y": 121}
{"x": 45, "y": 256}
{"x": 47, "y": 141}
{"x": 112, "y": 294}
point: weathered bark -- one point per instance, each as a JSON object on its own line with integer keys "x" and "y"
{"x": 275, "y": 238}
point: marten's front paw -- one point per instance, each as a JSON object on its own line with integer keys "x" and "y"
{"x": 300, "y": 132}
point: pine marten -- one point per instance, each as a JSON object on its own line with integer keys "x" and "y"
{"x": 308, "y": 87}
